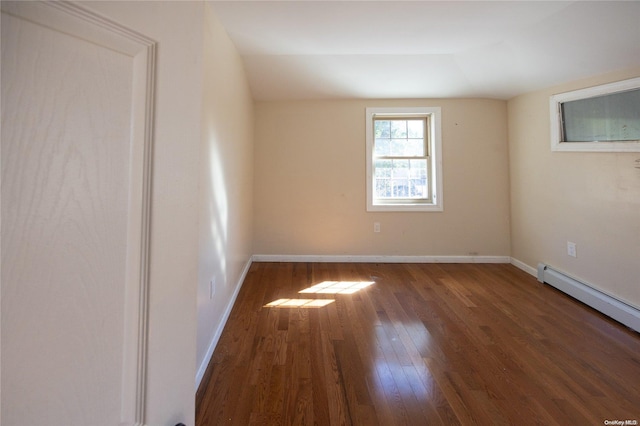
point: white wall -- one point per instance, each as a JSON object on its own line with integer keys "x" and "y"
{"x": 226, "y": 185}
{"x": 592, "y": 199}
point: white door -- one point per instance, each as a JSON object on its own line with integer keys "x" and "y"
{"x": 73, "y": 219}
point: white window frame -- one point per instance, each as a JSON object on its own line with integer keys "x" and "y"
{"x": 434, "y": 178}
{"x": 555, "y": 104}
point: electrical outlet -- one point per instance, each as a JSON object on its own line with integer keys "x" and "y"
{"x": 376, "y": 226}
{"x": 212, "y": 287}
{"x": 572, "y": 249}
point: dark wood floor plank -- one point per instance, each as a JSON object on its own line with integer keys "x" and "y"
{"x": 425, "y": 344}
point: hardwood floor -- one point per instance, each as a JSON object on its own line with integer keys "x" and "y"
{"x": 425, "y": 344}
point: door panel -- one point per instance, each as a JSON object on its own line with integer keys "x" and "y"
{"x": 69, "y": 169}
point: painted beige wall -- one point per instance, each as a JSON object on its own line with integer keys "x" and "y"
{"x": 226, "y": 179}
{"x": 592, "y": 199}
{"x": 309, "y": 189}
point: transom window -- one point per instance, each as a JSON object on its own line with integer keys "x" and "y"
{"x": 403, "y": 166}
{"x": 600, "y": 118}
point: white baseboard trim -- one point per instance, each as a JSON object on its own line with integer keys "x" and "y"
{"x": 523, "y": 266}
{"x": 588, "y": 294}
{"x": 223, "y": 321}
{"x": 378, "y": 259}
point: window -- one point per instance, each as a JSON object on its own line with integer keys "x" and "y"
{"x": 404, "y": 170}
{"x": 601, "y": 118}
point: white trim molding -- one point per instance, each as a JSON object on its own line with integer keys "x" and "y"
{"x": 77, "y": 21}
{"x": 223, "y": 321}
{"x": 523, "y": 266}
{"x": 378, "y": 259}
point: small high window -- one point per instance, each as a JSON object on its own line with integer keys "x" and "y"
{"x": 601, "y": 118}
{"x": 403, "y": 159}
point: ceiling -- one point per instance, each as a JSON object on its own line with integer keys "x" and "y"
{"x": 427, "y": 49}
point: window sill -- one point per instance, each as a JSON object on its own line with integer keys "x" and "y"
{"x": 627, "y": 146}
{"x": 405, "y": 208}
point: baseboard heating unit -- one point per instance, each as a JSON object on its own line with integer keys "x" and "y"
{"x": 605, "y": 303}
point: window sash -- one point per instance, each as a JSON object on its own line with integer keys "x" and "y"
{"x": 400, "y": 187}
{"x": 613, "y": 117}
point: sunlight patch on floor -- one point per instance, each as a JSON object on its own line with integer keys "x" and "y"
{"x": 337, "y": 287}
{"x": 299, "y": 303}
{"x": 325, "y": 287}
